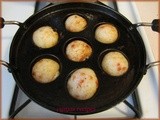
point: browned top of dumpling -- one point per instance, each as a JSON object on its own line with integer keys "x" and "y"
{"x": 78, "y": 51}
{"x": 115, "y": 64}
{"x": 106, "y": 33}
{"x": 45, "y": 70}
{"x": 75, "y": 23}
{"x": 82, "y": 84}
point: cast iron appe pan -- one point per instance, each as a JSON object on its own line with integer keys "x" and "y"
{"x": 54, "y": 95}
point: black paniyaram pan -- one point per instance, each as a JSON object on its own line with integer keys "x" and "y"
{"x": 54, "y": 95}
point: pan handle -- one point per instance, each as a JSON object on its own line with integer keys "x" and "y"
{"x": 152, "y": 64}
{"x": 3, "y": 22}
{"x": 154, "y": 25}
{"x": 4, "y": 63}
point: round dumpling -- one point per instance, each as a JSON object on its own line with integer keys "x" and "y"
{"x": 45, "y": 37}
{"x": 78, "y": 51}
{"x": 75, "y": 23}
{"x": 115, "y": 64}
{"x": 82, "y": 84}
{"x": 45, "y": 70}
{"x": 106, "y": 33}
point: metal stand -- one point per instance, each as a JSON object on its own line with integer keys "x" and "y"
{"x": 136, "y": 108}
{"x": 12, "y": 111}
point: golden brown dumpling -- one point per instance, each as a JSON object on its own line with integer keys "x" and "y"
{"x": 82, "y": 84}
{"x": 45, "y": 70}
{"x": 45, "y": 37}
{"x": 115, "y": 64}
{"x": 106, "y": 33}
{"x": 78, "y": 51}
{"x": 75, "y": 23}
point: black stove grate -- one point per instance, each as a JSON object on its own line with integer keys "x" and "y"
{"x": 136, "y": 108}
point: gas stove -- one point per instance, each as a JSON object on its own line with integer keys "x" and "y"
{"x": 15, "y": 104}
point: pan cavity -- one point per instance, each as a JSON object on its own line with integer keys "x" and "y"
{"x": 45, "y": 69}
{"x": 106, "y": 33}
{"x": 114, "y": 62}
{"x": 75, "y": 23}
{"x": 78, "y": 50}
{"x": 45, "y": 37}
